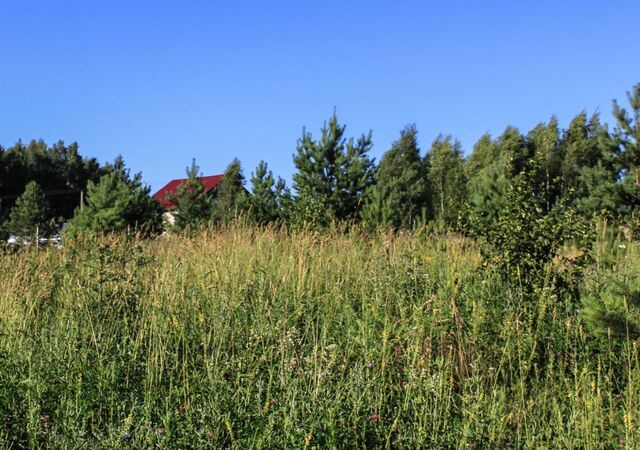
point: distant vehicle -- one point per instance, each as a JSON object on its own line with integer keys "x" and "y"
{"x": 54, "y": 240}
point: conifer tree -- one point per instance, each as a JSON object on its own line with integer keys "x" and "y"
{"x": 117, "y": 202}
{"x": 231, "y": 196}
{"x": 589, "y": 168}
{"x": 491, "y": 172}
{"x": 332, "y": 173}
{"x": 488, "y": 192}
{"x": 401, "y": 193}
{"x": 628, "y": 135}
{"x": 265, "y": 202}
{"x": 31, "y": 218}
{"x": 192, "y": 207}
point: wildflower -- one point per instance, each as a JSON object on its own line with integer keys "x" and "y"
{"x": 126, "y": 437}
{"x": 307, "y": 440}
{"x": 374, "y": 417}
{"x": 209, "y": 436}
{"x": 370, "y": 364}
{"x": 45, "y": 419}
{"x": 160, "y": 431}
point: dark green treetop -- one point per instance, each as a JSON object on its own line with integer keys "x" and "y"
{"x": 628, "y": 134}
{"x": 31, "y": 215}
{"x": 58, "y": 169}
{"x": 401, "y": 192}
{"x": 192, "y": 207}
{"x": 117, "y": 202}
{"x": 332, "y": 173}
{"x": 231, "y": 196}
{"x": 267, "y": 194}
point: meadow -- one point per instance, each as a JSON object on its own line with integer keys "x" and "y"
{"x": 246, "y": 338}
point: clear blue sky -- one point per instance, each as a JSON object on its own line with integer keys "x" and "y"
{"x": 161, "y": 82}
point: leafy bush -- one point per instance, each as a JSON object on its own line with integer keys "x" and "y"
{"x": 523, "y": 240}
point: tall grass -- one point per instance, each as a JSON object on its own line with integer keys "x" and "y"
{"x": 246, "y": 338}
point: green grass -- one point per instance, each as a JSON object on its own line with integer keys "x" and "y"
{"x": 246, "y": 338}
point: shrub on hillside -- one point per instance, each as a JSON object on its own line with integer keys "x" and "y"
{"x": 523, "y": 239}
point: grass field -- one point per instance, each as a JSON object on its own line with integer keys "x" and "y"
{"x": 249, "y": 338}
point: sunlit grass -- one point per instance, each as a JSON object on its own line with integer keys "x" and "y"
{"x": 248, "y": 338}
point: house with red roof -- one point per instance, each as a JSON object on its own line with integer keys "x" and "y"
{"x": 164, "y": 195}
{"x": 168, "y": 192}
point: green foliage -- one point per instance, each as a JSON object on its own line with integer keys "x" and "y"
{"x": 613, "y": 312}
{"x": 32, "y": 215}
{"x": 590, "y": 168}
{"x": 332, "y": 172}
{"x": 523, "y": 239}
{"x": 117, "y": 202}
{"x": 597, "y": 191}
{"x": 488, "y": 193}
{"x": 446, "y": 174}
{"x": 58, "y": 168}
{"x": 485, "y": 152}
{"x": 512, "y": 147}
{"x": 268, "y": 197}
{"x": 192, "y": 207}
{"x": 401, "y": 193}
{"x": 231, "y": 196}
{"x": 580, "y": 149}
{"x": 628, "y": 135}
{"x": 308, "y": 210}
{"x": 544, "y": 146}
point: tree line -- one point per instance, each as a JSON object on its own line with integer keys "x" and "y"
{"x": 585, "y": 167}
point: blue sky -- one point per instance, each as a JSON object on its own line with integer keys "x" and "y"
{"x": 161, "y": 82}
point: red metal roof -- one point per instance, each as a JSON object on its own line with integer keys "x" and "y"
{"x": 209, "y": 183}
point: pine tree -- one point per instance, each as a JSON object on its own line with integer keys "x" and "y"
{"x": 231, "y": 196}
{"x": 628, "y": 134}
{"x": 265, "y": 202}
{"x": 598, "y": 191}
{"x": 56, "y": 168}
{"x": 117, "y": 202}
{"x": 332, "y": 173}
{"x": 488, "y": 192}
{"x": 590, "y": 167}
{"x": 192, "y": 207}
{"x": 613, "y": 311}
{"x": 446, "y": 174}
{"x": 491, "y": 172}
{"x": 401, "y": 193}
{"x": 31, "y": 218}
